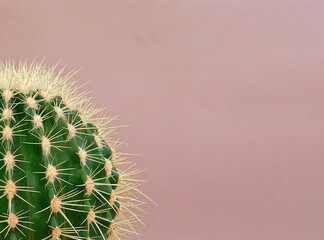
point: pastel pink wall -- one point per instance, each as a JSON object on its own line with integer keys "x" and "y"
{"x": 225, "y": 98}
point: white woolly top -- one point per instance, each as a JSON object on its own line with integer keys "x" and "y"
{"x": 27, "y": 78}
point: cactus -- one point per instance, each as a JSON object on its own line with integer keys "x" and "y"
{"x": 60, "y": 176}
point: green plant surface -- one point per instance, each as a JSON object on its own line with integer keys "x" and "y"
{"x": 60, "y": 175}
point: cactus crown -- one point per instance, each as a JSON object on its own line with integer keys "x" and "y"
{"x": 60, "y": 176}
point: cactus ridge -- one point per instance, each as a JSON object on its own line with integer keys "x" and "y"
{"x": 60, "y": 176}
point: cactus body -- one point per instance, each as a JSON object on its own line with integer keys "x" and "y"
{"x": 58, "y": 167}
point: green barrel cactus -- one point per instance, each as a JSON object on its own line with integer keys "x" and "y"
{"x": 60, "y": 176}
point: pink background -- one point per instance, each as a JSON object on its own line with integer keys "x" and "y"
{"x": 225, "y": 98}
